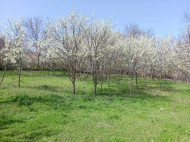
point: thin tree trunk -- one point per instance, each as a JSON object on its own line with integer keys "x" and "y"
{"x": 145, "y": 81}
{"x": 160, "y": 81}
{"x": 5, "y": 69}
{"x": 131, "y": 88}
{"x": 186, "y": 78}
{"x": 95, "y": 83}
{"x": 95, "y": 93}
{"x": 84, "y": 76}
{"x": 38, "y": 61}
{"x": 136, "y": 77}
{"x": 80, "y": 74}
{"x": 165, "y": 77}
{"x": 73, "y": 82}
{"x": 108, "y": 81}
{"x": 119, "y": 79}
{"x": 101, "y": 83}
{"x": 19, "y": 71}
{"x": 175, "y": 78}
{"x": 153, "y": 79}
{"x": 19, "y": 75}
{"x": 152, "y": 76}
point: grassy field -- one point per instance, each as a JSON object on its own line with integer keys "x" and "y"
{"x": 43, "y": 109}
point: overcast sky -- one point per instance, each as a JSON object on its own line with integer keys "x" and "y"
{"x": 163, "y": 16}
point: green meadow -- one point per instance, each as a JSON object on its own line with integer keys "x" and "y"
{"x": 44, "y": 109}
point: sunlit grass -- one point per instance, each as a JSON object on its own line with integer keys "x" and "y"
{"x": 44, "y": 109}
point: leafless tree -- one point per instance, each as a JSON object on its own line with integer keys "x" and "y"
{"x": 34, "y": 27}
{"x": 134, "y": 31}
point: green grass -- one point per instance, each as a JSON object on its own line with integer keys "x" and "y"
{"x": 44, "y": 109}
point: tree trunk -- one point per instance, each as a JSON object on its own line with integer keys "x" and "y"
{"x": 175, "y": 78}
{"x": 84, "y": 76}
{"x": 38, "y": 61}
{"x": 108, "y": 81}
{"x": 101, "y": 82}
{"x": 80, "y": 75}
{"x": 160, "y": 81}
{"x": 186, "y": 78}
{"x": 136, "y": 77}
{"x": 119, "y": 79}
{"x": 131, "y": 88}
{"x": 153, "y": 79}
{"x": 165, "y": 77}
{"x": 145, "y": 81}
{"x": 19, "y": 75}
{"x": 19, "y": 71}
{"x": 94, "y": 76}
{"x": 5, "y": 69}
{"x": 152, "y": 76}
{"x": 152, "y": 73}
{"x": 73, "y": 82}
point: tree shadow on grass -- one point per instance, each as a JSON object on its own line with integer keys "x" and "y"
{"x": 183, "y": 91}
{"x": 33, "y": 135}
{"x": 28, "y": 134}
{"x": 60, "y": 89}
{"x": 6, "y": 120}
{"x": 112, "y": 91}
{"x": 53, "y": 101}
{"x": 123, "y": 92}
{"x": 164, "y": 88}
{"x": 43, "y": 74}
{"x": 48, "y": 88}
{"x": 40, "y": 133}
{"x": 146, "y": 95}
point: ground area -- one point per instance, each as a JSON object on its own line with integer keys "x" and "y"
{"x": 44, "y": 109}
